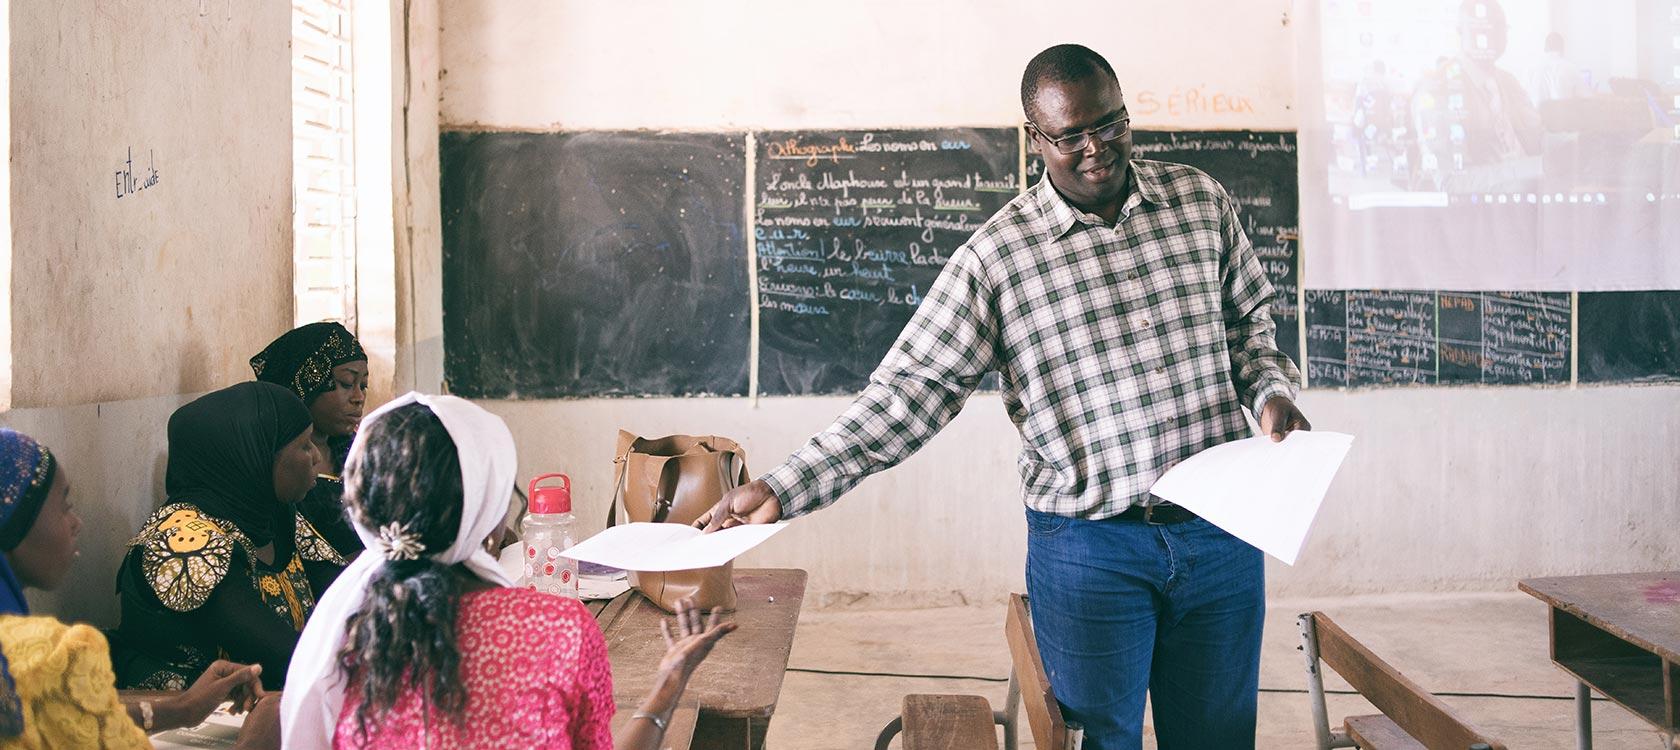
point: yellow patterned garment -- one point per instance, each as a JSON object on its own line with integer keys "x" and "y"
{"x": 64, "y": 679}
{"x": 185, "y": 554}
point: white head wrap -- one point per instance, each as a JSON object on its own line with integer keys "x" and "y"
{"x": 315, "y": 686}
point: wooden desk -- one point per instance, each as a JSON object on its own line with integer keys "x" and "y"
{"x": 1619, "y": 635}
{"x": 679, "y": 734}
{"x": 738, "y": 685}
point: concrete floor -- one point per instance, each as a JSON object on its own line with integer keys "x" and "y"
{"x": 1453, "y": 643}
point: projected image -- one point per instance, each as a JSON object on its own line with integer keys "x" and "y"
{"x": 1492, "y": 145}
{"x": 1471, "y": 97}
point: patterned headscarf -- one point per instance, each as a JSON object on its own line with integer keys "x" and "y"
{"x": 221, "y": 456}
{"x": 303, "y": 358}
{"x": 26, "y": 474}
{"x": 315, "y": 680}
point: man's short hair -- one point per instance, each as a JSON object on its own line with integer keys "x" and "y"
{"x": 1063, "y": 63}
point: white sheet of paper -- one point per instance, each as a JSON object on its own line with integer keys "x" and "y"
{"x": 669, "y": 546}
{"x": 1261, "y": 492}
{"x": 220, "y": 729}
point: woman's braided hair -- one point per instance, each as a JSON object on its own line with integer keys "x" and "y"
{"x": 407, "y": 473}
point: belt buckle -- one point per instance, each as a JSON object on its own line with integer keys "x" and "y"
{"x": 1149, "y": 515}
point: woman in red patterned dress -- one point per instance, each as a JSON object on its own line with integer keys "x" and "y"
{"x": 423, "y": 641}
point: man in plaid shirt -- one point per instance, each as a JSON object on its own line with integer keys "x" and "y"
{"x": 1128, "y": 319}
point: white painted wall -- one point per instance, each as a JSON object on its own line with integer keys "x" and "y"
{"x": 170, "y": 287}
{"x": 114, "y": 455}
{"x": 122, "y": 309}
{"x": 574, "y": 64}
{"x": 1445, "y": 489}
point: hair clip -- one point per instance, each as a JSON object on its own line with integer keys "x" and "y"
{"x": 396, "y": 542}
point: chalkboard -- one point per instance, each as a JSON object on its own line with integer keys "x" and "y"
{"x": 851, "y": 229}
{"x": 1504, "y": 338}
{"x": 1386, "y": 337}
{"x": 617, "y": 263}
{"x": 1258, "y": 170}
{"x": 595, "y": 263}
{"x": 1630, "y": 337}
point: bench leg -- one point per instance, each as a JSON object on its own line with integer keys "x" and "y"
{"x": 888, "y": 732}
{"x": 1583, "y": 716}
{"x": 718, "y": 733}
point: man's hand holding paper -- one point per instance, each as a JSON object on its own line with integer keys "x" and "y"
{"x": 1263, "y": 492}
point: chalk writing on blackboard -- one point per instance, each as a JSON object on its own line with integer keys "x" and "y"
{"x": 851, "y": 229}
{"x": 1370, "y": 337}
{"x": 1359, "y": 338}
{"x": 1258, "y": 170}
{"x": 1514, "y": 338}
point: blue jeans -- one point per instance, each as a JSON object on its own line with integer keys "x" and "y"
{"x": 1121, "y": 608}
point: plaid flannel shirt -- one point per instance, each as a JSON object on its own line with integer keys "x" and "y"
{"x": 1121, "y": 349}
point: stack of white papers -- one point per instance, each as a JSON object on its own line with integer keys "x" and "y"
{"x": 669, "y": 546}
{"x": 1261, "y": 492}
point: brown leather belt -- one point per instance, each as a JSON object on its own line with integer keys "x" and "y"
{"x": 1159, "y": 514}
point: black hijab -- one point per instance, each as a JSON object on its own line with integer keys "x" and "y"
{"x": 221, "y": 456}
{"x": 302, "y": 359}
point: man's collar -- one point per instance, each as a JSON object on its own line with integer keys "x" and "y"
{"x": 1147, "y": 179}
{"x": 1060, "y": 216}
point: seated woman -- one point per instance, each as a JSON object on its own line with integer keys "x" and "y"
{"x": 56, "y": 685}
{"x": 325, "y": 366}
{"x": 227, "y": 565}
{"x": 424, "y": 641}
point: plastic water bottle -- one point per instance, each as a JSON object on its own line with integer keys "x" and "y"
{"x": 546, "y": 532}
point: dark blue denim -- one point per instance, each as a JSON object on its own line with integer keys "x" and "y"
{"x": 1125, "y": 607}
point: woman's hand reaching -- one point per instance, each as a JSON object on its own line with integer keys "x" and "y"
{"x": 687, "y": 643}
{"x": 691, "y": 639}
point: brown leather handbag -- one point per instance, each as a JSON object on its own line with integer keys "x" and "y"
{"x": 676, "y": 479}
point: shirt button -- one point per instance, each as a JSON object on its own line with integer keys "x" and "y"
{"x": 1132, "y": 276}
{"x": 1143, "y": 324}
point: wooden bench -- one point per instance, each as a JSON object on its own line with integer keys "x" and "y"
{"x": 931, "y": 722}
{"x": 1411, "y": 717}
{"x": 948, "y": 722}
{"x": 1044, "y": 715}
{"x": 964, "y": 722}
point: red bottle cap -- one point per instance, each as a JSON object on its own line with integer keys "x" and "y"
{"x": 551, "y": 499}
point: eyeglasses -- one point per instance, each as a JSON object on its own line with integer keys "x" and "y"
{"x": 1076, "y": 142}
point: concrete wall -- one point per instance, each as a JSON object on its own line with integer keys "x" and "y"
{"x": 531, "y": 64}
{"x": 122, "y": 289}
{"x": 419, "y": 236}
{"x": 114, "y": 455}
{"x": 1445, "y": 488}
{"x": 123, "y": 308}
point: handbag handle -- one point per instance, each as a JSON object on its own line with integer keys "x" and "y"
{"x": 623, "y": 464}
{"x": 665, "y": 492}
